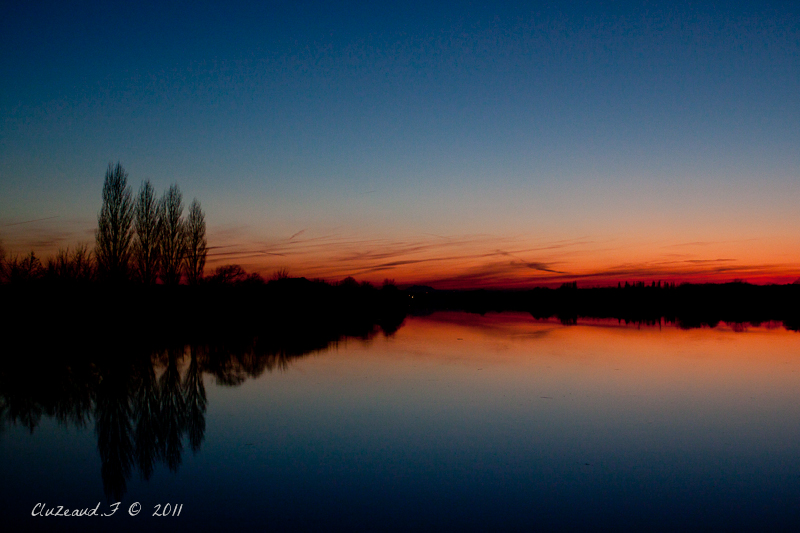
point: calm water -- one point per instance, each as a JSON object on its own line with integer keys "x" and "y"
{"x": 455, "y": 422}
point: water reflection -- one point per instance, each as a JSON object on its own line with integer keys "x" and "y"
{"x": 148, "y": 405}
{"x": 144, "y": 412}
{"x": 454, "y": 410}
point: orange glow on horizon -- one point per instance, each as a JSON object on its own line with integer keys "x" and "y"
{"x": 492, "y": 261}
{"x": 466, "y": 261}
{"x": 482, "y": 261}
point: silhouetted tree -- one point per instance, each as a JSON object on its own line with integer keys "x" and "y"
{"x": 145, "y": 244}
{"x": 172, "y": 235}
{"x": 254, "y": 278}
{"x": 28, "y": 268}
{"x": 281, "y": 273}
{"x": 349, "y": 283}
{"x": 2, "y": 263}
{"x": 195, "y": 243}
{"x": 114, "y": 225}
{"x": 228, "y": 274}
{"x": 75, "y": 265}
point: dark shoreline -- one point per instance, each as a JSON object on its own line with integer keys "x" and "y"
{"x": 688, "y": 305}
{"x": 299, "y": 315}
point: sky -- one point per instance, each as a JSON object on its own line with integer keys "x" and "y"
{"x": 454, "y": 144}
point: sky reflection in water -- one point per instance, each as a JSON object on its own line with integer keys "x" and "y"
{"x": 462, "y": 421}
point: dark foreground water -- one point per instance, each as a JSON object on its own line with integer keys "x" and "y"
{"x": 455, "y": 422}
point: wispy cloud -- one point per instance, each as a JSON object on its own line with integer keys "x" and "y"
{"x": 45, "y": 235}
{"x": 445, "y": 261}
{"x": 705, "y": 243}
{"x": 480, "y": 260}
{"x": 28, "y": 221}
{"x": 533, "y": 265}
{"x": 336, "y": 255}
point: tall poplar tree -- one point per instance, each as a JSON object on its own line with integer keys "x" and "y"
{"x": 195, "y": 243}
{"x": 172, "y": 236}
{"x": 145, "y": 244}
{"x": 114, "y": 225}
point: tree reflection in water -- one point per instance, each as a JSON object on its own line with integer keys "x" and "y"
{"x": 146, "y": 415}
{"x": 147, "y": 404}
{"x": 194, "y": 393}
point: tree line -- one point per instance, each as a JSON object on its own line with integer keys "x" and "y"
{"x": 147, "y": 238}
{"x": 140, "y": 238}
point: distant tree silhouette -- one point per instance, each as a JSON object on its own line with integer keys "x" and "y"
{"x": 228, "y": 274}
{"x": 75, "y": 265}
{"x": 281, "y": 273}
{"x": 195, "y": 243}
{"x": 2, "y": 263}
{"x": 172, "y": 236}
{"x": 146, "y": 241}
{"x": 28, "y": 268}
{"x": 114, "y": 225}
{"x": 254, "y": 278}
{"x": 349, "y": 283}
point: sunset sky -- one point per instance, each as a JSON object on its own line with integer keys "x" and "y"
{"x": 452, "y": 144}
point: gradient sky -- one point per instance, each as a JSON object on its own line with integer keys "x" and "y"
{"x": 458, "y": 145}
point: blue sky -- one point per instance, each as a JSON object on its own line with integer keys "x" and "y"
{"x": 627, "y": 126}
